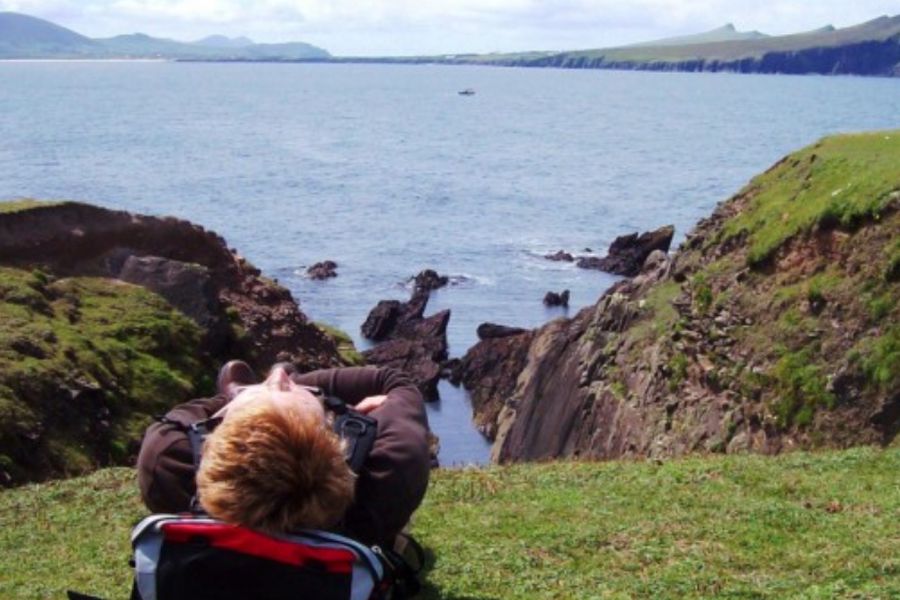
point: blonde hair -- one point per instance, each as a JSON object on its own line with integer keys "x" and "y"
{"x": 275, "y": 468}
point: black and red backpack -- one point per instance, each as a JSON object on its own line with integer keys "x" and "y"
{"x": 192, "y": 556}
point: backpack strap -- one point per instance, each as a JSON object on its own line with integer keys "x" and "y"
{"x": 402, "y": 580}
{"x": 197, "y": 433}
{"x": 356, "y": 429}
{"x": 70, "y": 595}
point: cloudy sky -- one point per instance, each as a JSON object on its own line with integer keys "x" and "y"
{"x": 398, "y": 27}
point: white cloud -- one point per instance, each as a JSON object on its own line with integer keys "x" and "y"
{"x": 431, "y": 26}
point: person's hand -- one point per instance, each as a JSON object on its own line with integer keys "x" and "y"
{"x": 370, "y": 403}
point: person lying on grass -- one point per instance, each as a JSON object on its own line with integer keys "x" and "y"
{"x": 274, "y": 463}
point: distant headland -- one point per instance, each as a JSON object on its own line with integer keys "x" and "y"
{"x": 871, "y": 48}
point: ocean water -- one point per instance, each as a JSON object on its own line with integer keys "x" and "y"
{"x": 387, "y": 170}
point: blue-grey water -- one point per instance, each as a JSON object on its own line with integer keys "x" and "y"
{"x": 387, "y": 170}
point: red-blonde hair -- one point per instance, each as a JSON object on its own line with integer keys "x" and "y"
{"x": 275, "y": 468}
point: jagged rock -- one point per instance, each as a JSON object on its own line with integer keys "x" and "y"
{"x": 489, "y": 371}
{"x": 419, "y": 348}
{"x": 382, "y": 320}
{"x": 388, "y": 316}
{"x": 627, "y": 253}
{"x": 560, "y": 256}
{"x": 554, "y": 299}
{"x": 186, "y": 286}
{"x": 409, "y": 341}
{"x": 429, "y": 280}
{"x": 322, "y": 270}
{"x": 487, "y": 331}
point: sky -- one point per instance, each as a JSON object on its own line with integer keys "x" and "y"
{"x": 416, "y": 27}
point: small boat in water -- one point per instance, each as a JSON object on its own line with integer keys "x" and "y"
{"x": 466, "y": 92}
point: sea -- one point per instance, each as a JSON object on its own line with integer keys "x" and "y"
{"x": 388, "y": 170}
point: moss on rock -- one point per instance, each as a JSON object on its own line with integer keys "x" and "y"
{"x": 84, "y": 364}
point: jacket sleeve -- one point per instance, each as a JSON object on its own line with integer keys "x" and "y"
{"x": 353, "y": 384}
{"x": 395, "y": 475}
{"x": 165, "y": 463}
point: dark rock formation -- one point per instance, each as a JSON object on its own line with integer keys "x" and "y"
{"x": 419, "y": 350}
{"x": 322, "y": 270}
{"x": 390, "y": 317}
{"x": 627, "y": 253}
{"x": 554, "y": 299}
{"x": 409, "y": 341}
{"x": 429, "y": 280}
{"x": 186, "y": 286}
{"x": 248, "y": 317}
{"x": 560, "y": 256}
{"x": 488, "y": 331}
{"x": 490, "y": 370}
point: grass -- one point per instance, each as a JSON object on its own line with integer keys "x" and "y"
{"x": 11, "y": 206}
{"x": 84, "y": 363}
{"x": 882, "y": 362}
{"x": 841, "y": 181}
{"x": 800, "y": 388}
{"x": 823, "y": 525}
{"x": 350, "y": 356}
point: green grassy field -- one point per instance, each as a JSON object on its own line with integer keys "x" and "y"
{"x": 823, "y": 525}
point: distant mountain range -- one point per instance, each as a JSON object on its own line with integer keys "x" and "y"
{"x": 23, "y": 36}
{"x": 871, "y": 48}
{"x": 726, "y": 33}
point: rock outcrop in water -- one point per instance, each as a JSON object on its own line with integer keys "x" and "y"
{"x": 407, "y": 339}
{"x": 628, "y": 252}
{"x": 557, "y": 299}
{"x": 110, "y": 317}
{"x": 774, "y": 327}
{"x": 322, "y": 270}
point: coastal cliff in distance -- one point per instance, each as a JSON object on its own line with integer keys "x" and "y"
{"x": 108, "y": 318}
{"x": 871, "y": 48}
{"x": 775, "y": 326}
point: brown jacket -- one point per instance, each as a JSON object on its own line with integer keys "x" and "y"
{"x": 389, "y": 488}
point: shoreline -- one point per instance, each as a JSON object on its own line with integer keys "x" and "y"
{"x": 86, "y": 60}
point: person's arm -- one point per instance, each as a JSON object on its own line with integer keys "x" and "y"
{"x": 354, "y": 384}
{"x": 395, "y": 475}
{"x": 165, "y": 463}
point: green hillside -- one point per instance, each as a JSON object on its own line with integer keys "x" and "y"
{"x": 871, "y": 48}
{"x": 879, "y": 29}
{"x": 726, "y": 33}
{"x": 794, "y": 526}
{"x": 24, "y": 36}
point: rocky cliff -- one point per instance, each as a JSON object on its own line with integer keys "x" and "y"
{"x": 880, "y": 58}
{"x": 776, "y": 325}
{"x": 107, "y": 317}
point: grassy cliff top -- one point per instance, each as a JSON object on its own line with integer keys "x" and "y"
{"x": 842, "y": 181}
{"x": 12, "y": 206}
{"x": 799, "y": 525}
